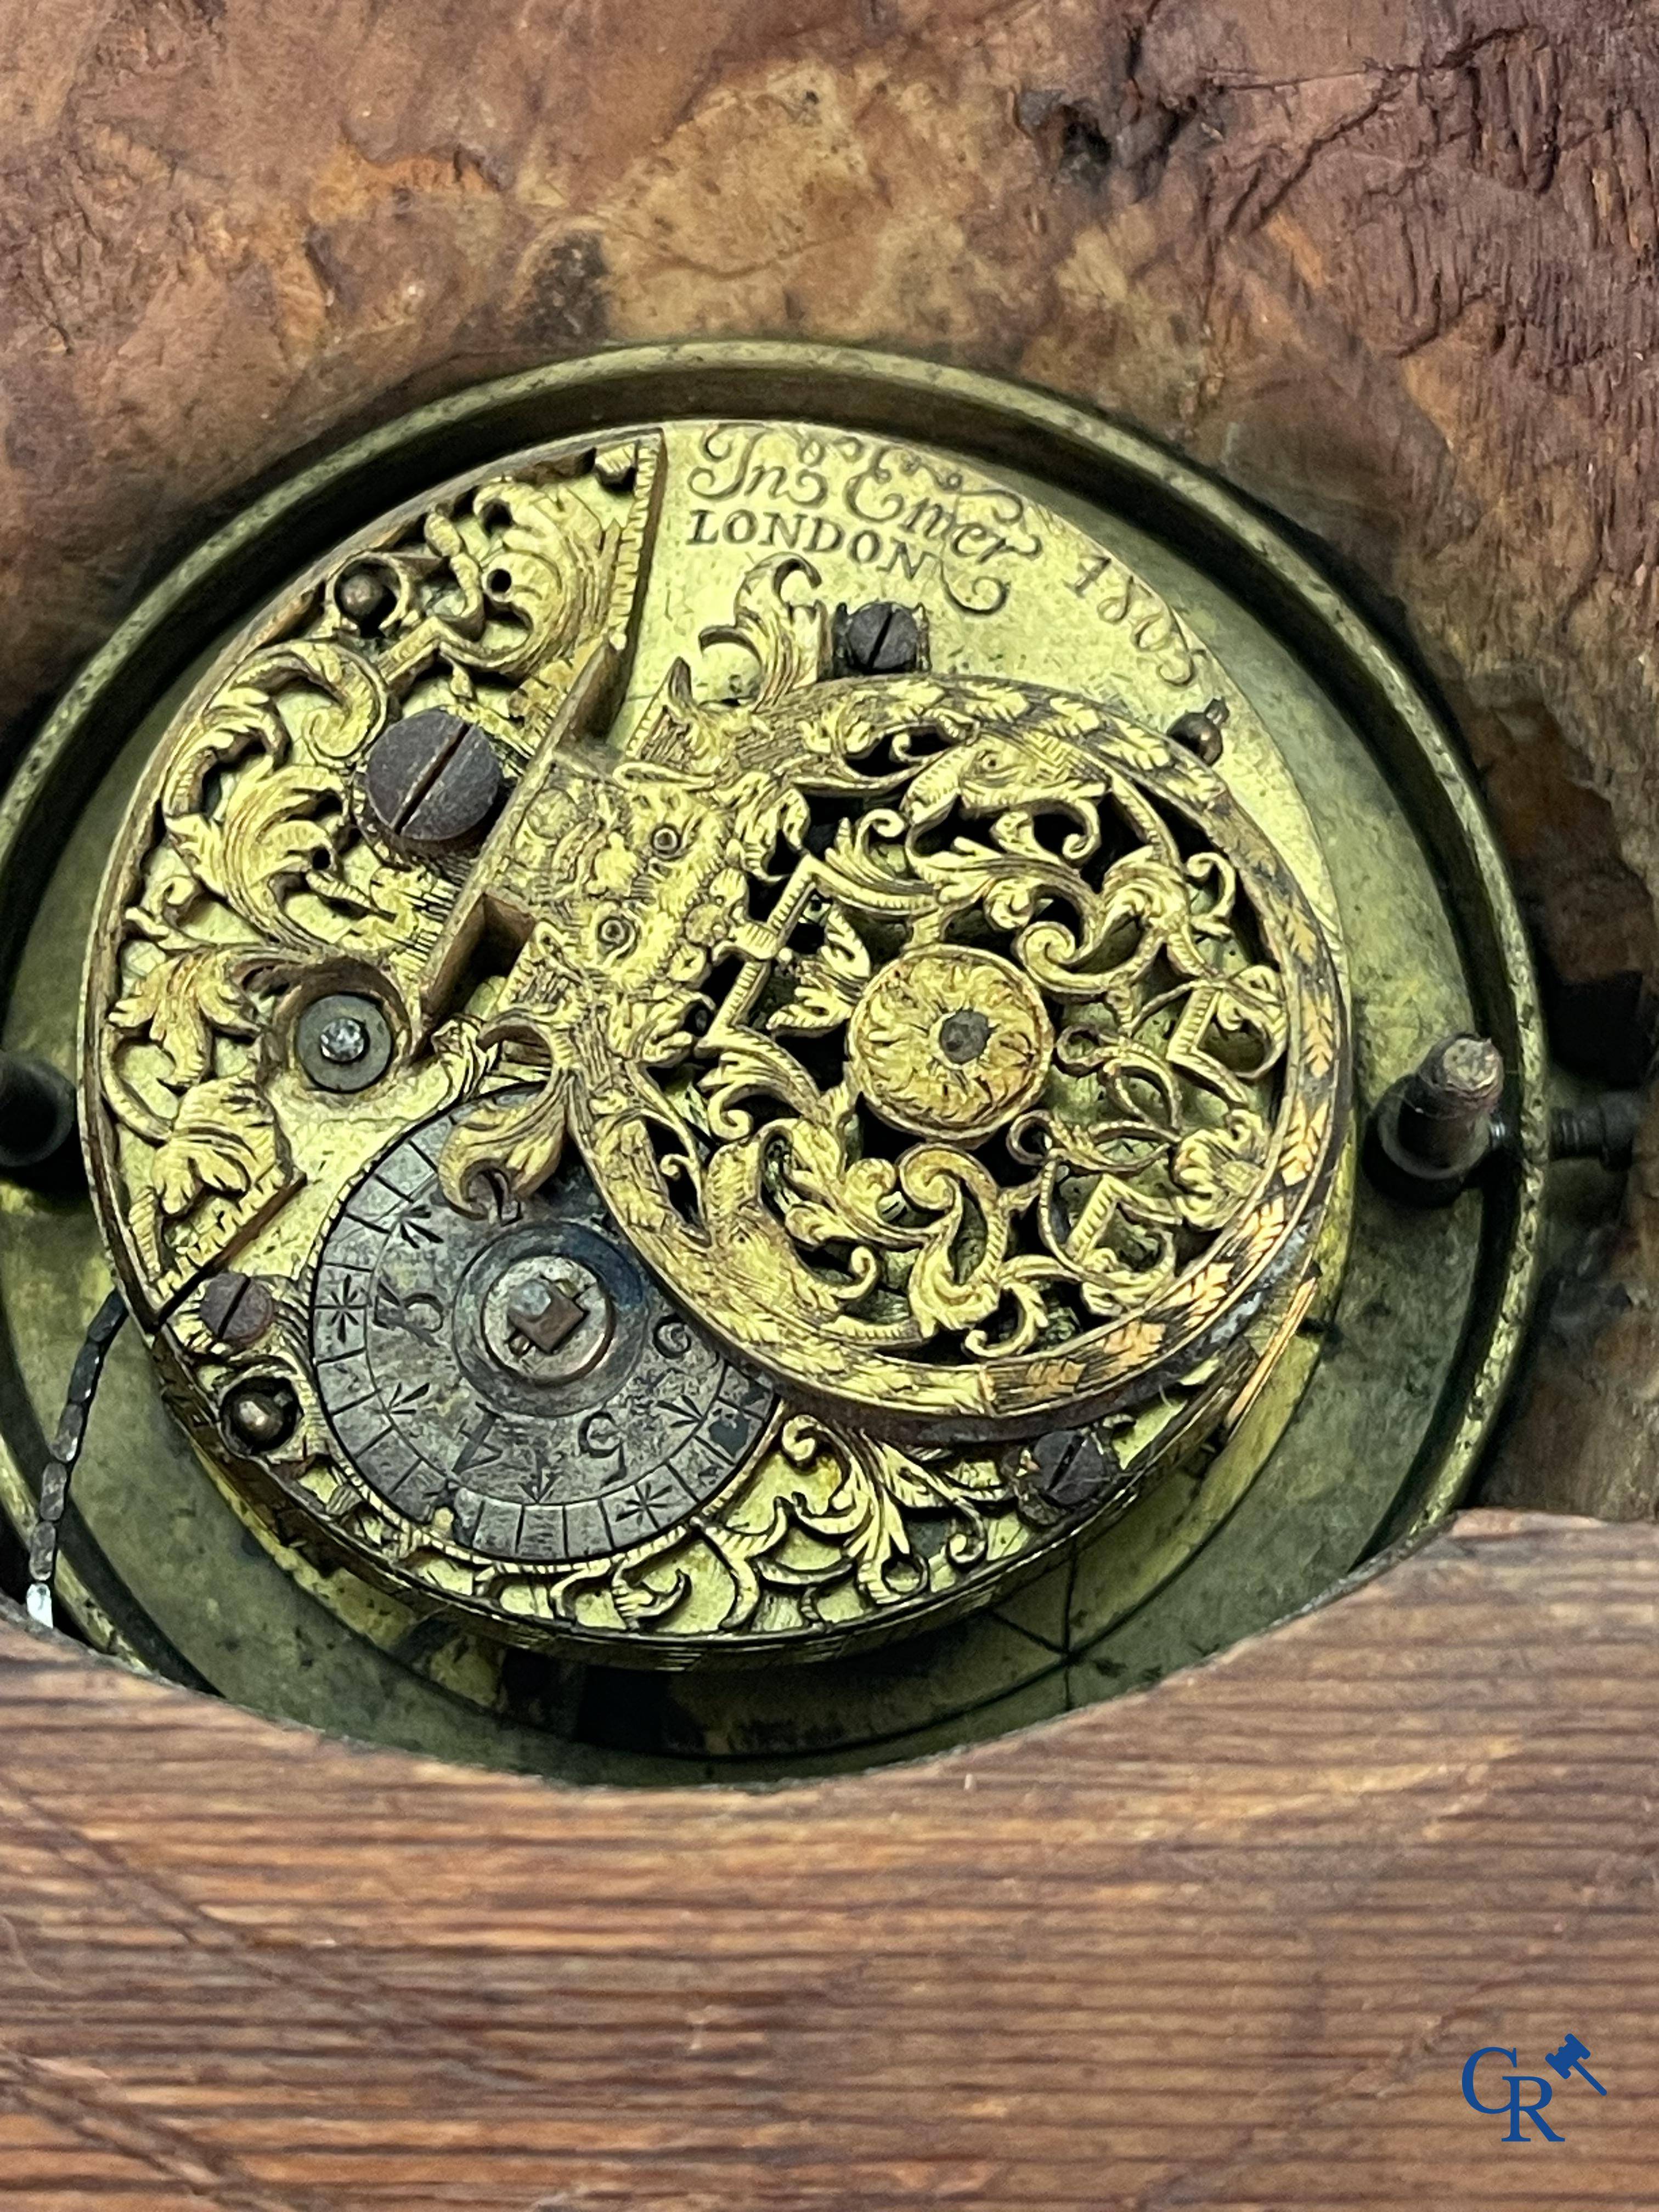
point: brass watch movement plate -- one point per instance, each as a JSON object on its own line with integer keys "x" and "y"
{"x": 725, "y": 1026}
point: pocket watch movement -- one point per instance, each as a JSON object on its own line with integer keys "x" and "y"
{"x": 730, "y": 1018}
{"x": 654, "y": 1100}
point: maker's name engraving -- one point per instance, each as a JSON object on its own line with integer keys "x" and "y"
{"x": 889, "y": 510}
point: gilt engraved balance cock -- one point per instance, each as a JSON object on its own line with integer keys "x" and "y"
{"x": 714, "y": 1044}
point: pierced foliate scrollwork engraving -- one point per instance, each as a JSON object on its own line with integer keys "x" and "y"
{"x": 948, "y": 1070}
{"x": 786, "y": 933}
{"x": 262, "y": 871}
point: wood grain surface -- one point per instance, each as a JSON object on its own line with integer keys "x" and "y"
{"x": 1226, "y": 1943}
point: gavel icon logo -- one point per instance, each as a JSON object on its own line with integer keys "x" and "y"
{"x": 1569, "y": 2060}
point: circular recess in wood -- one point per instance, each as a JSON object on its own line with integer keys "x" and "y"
{"x": 953, "y": 884}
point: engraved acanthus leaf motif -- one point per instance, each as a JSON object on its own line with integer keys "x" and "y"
{"x": 222, "y": 1143}
{"x": 825, "y": 985}
{"x": 215, "y": 1136}
{"x": 221, "y": 1139}
{"x": 192, "y": 993}
{"x": 964, "y": 910}
{"x": 823, "y": 1518}
{"x": 262, "y": 868}
{"x": 516, "y": 1146}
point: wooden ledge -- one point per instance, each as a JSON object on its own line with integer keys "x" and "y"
{"x": 1228, "y": 1942}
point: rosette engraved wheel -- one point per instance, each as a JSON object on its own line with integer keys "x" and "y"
{"x": 521, "y": 1373}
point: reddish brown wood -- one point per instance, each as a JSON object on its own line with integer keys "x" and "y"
{"x": 1225, "y": 1944}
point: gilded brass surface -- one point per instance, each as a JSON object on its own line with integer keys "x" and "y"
{"x": 1366, "y": 1421}
{"x": 749, "y": 923}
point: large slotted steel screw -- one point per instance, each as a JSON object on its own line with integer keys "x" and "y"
{"x": 235, "y": 1309}
{"x": 880, "y": 638}
{"x": 432, "y": 782}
